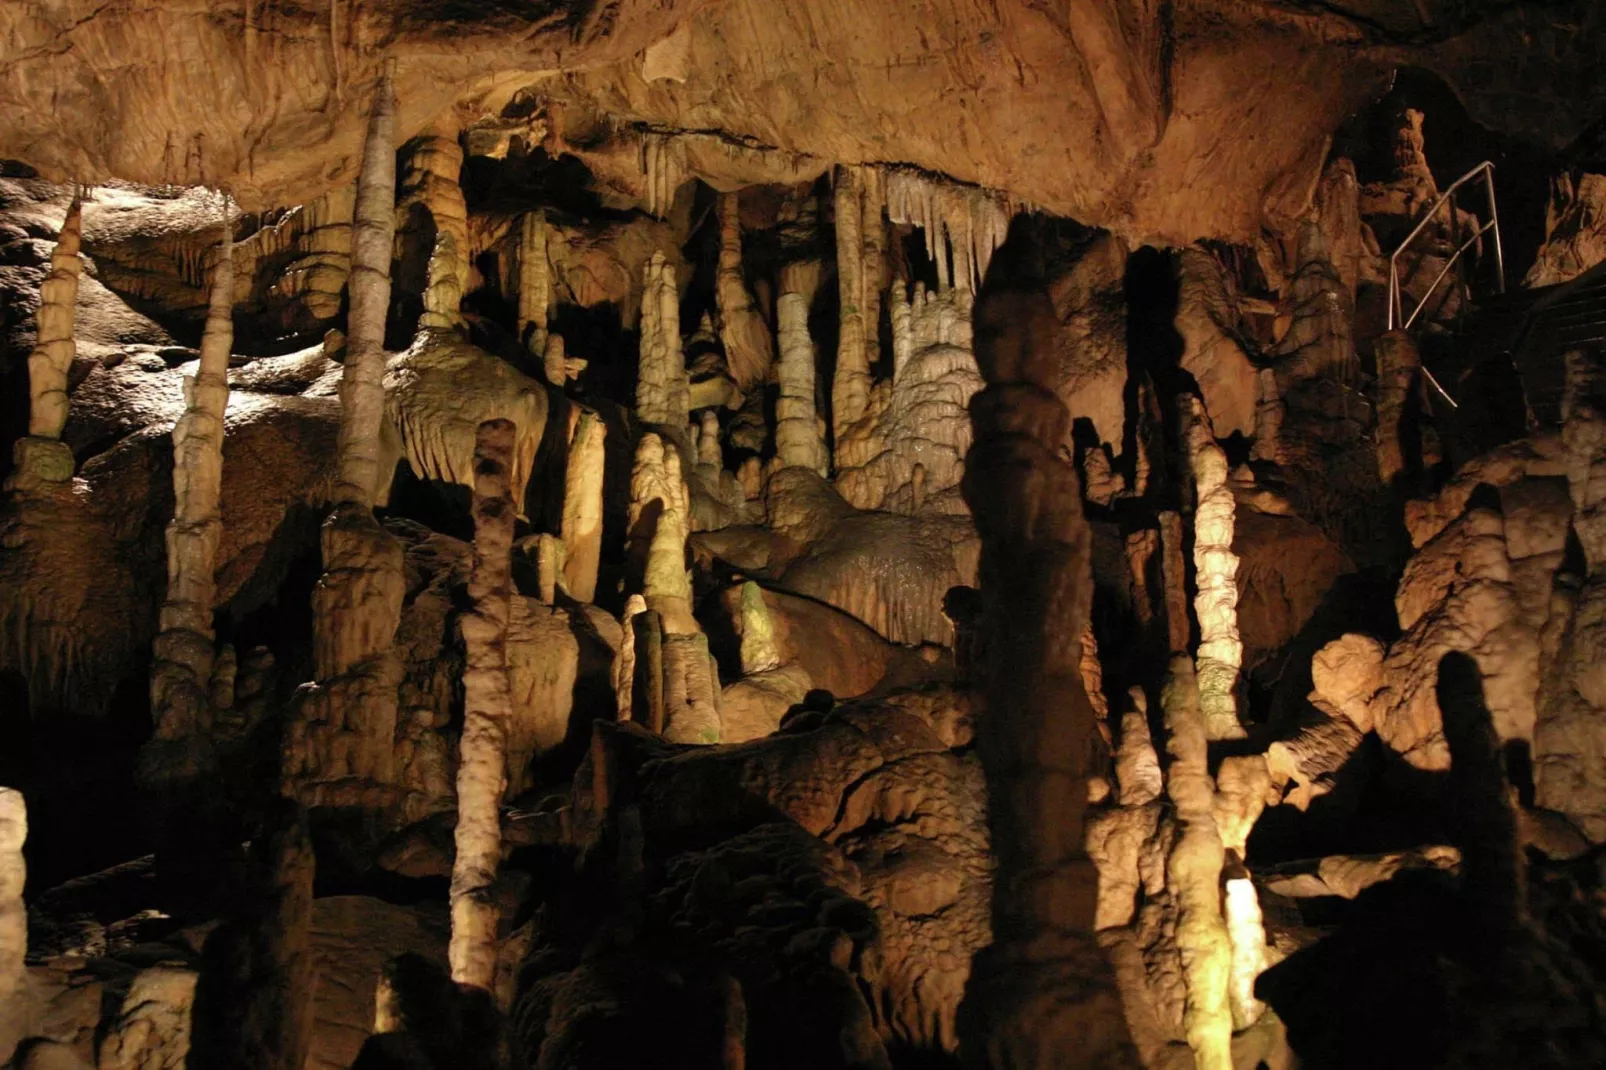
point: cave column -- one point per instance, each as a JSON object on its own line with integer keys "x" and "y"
{"x": 433, "y": 180}
{"x": 850, "y": 388}
{"x": 487, "y": 712}
{"x": 1215, "y": 570}
{"x": 749, "y": 351}
{"x": 1041, "y": 994}
{"x": 41, "y": 457}
{"x": 798, "y": 442}
{"x": 13, "y": 917}
{"x": 182, "y": 675}
{"x": 663, "y": 393}
{"x": 535, "y": 283}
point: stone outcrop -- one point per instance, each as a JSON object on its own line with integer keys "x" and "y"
{"x": 1575, "y": 229}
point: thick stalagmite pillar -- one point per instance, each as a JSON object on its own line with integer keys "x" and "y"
{"x": 663, "y": 394}
{"x": 582, "y": 506}
{"x": 432, "y": 181}
{"x": 1042, "y": 994}
{"x": 1193, "y": 873}
{"x": 624, "y": 662}
{"x": 40, "y": 456}
{"x": 797, "y": 432}
{"x": 535, "y": 283}
{"x": 362, "y": 391}
{"x": 850, "y": 388}
{"x": 13, "y": 916}
{"x": 182, "y": 675}
{"x": 749, "y": 350}
{"x": 487, "y": 711}
{"x": 1215, "y": 569}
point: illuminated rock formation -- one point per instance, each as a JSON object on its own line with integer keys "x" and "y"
{"x": 582, "y": 506}
{"x": 487, "y": 711}
{"x": 1575, "y": 229}
{"x": 535, "y": 282}
{"x": 429, "y": 188}
{"x": 662, "y": 393}
{"x": 749, "y": 350}
{"x": 1211, "y": 353}
{"x": 181, "y": 678}
{"x": 13, "y": 918}
{"x": 798, "y": 431}
{"x": 1041, "y": 994}
{"x": 753, "y": 706}
{"x": 857, "y": 209}
{"x": 1215, "y": 566}
{"x": 41, "y": 457}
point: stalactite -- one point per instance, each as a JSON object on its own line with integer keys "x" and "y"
{"x": 1193, "y": 872}
{"x": 182, "y": 675}
{"x": 431, "y": 181}
{"x": 970, "y": 222}
{"x": 13, "y": 915}
{"x": 663, "y": 394}
{"x": 663, "y": 165}
{"x": 1215, "y": 571}
{"x": 749, "y": 350}
{"x": 40, "y": 456}
{"x": 582, "y": 506}
{"x": 1041, "y": 994}
{"x": 850, "y": 388}
{"x": 362, "y": 392}
{"x": 535, "y": 283}
{"x": 487, "y": 710}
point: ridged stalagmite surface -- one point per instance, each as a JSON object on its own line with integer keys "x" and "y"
{"x": 431, "y": 183}
{"x": 1215, "y": 567}
{"x": 535, "y": 282}
{"x": 487, "y": 710}
{"x": 40, "y": 456}
{"x": 663, "y": 395}
{"x": 13, "y": 916}
{"x": 1193, "y": 871}
{"x": 798, "y": 439}
{"x": 182, "y": 676}
{"x": 582, "y": 506}
{"x": 850, "y": 389}
{"x": 362, "y": 393}
{"x": 749, "y": 350}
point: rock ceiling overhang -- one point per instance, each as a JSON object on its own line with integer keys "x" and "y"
{"x": 1164, "y": 121}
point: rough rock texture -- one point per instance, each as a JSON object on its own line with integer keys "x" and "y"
{"x": 1091, "y": 304}
{"x": 1575, "y": 229}
{"x": 583, "y": 506}
{"x": 1211, "y": 352}
{"x": 429, "y": 189}
{"x": 1041, "y": 993}
{"x": 662, "y": 390}
{"x": 487, "y": 712}
{"x": 39, "y": 458}
{"x": 1215, "y": 569}
{"x": 13, "y": 917}
{"x": 152, "y": 1029}
{"x": 749, "y": 349}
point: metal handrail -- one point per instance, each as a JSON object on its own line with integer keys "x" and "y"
{"x": 1396, "y": 306}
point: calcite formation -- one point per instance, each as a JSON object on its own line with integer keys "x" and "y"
{"x": 799, "y": 438}
{"x": 40, "y": 457}
{"x": 181, "y": 679}
{"x": 749, "y": 349}
{"x": 534, "y": 272}
{"x": 583, "y": 506}
{"x": 663, "y": 394}
{"x": 487, "y": 712}
{"x": 429, "y": 186}
{"x": 13, "y": 916}
{"x": 1215, "y": 566}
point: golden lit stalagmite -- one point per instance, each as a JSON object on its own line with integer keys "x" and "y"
{"x": 13, "y": 917}
{"x": 535, "y": 283}
{"x": 749, "y": 350}
{"x": 582, "y": 506}
{"x": 1041, "y": 995}
{"x": 1216, "y": 569}
{"x": 182, "y": 675}
{"x": 487, "y": 710}
{"x": 40, "y": 456}
{"x": 850, "y": 389}
{"x": 430, "y": 183}
{"x": 663, "y": 395}
{"x": 799, "y": 441}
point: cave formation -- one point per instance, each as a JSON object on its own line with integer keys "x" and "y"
{"x": 732, "y": 535}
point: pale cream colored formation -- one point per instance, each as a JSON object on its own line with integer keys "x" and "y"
{"x": 753, "y": 706}
{"x": 535, "y": 282}
{"x": 582, "y": 506}
{"x": 964, "y": 222}
{"x": 362, "y": 391}
{"x": 850, "y": 388}
{"x": 906, "y": 454}
{"x": 624, "y": 662}
{"x": 663, "y": 395}
{"x": 749, "y": 350}
{"x": 1193, "y": 871}
{"x": 799, "y": 437}
{"x": 40, "y": 456}
{"x": 320, "y": 235}
{"x": 487, "y": 711}
{"x": 431, "y": 182}
{"x": 13, "y": 917}
{"x": 1215, "y": 566}
{"x": 181, "y": 679}
{"x": 658, "y": 501}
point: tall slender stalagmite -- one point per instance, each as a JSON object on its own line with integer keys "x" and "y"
{"x": 41, "y": 456}
{"x": 850, "y": 388}
{"x": 1215, "y": 567}
{"x": 798, "y": 442}
{"x": 663, "y": 395}
{"x": 1193, "y": 872}
{"x": 582, "y": 506}
{"x": 487, "y": 709}
{"x": 535, "y": 283}
{"x": 1042, "y": 994}
{"x": 749, "y": 350}
{"x": 182, "y": 675}
{"x": 362, "y": 391}
{"x": 873, "y": 240}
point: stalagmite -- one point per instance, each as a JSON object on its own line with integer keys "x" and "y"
{"x": 798, "y": 442}
{"x": 1041, "y": 994}
{"x": 624, "y": 663}
{"x": 873, "y": 240}
{"x": 1194, "y": 873}
{"x": 1215, "y": 570}
{"x": 1137, "y": 767}
{"x": 535, "y": 282}
{"x": 663, "y": 395}
{"x": 1173, "y": 575}
{"x": 40, "y": 456}
{"x": 181, "y": 678}
{"x": 758, "y": 632}
{"x": 749, "y": 350}
{"x": 431, "y": 181}
{"x": 13, "y": 916}
{"x": 1398, "y": 366}
{"x": 691, "y": 689}
{"x": 658, "y": 511}
{"x": 850, "y": 388}
{"x": 362, "y": 393}
{"x": 582, "y": 506}
{"x": 487, "y": 709}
